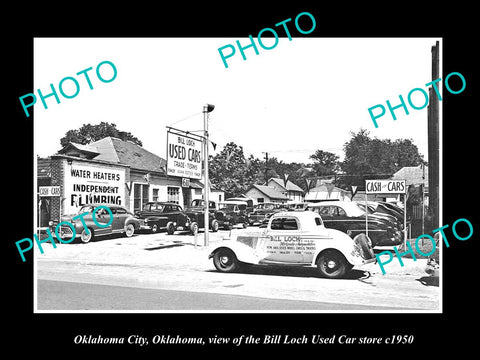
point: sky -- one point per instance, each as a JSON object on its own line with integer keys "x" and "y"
{"x": 303, "y": 95}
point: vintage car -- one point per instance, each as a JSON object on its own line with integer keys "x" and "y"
{"x": 123, "y": 222}
{"x": 260, "y": 212}
{"x": 156, "y": 216}
{"x": 246, "y": 200}
{"x": 298, "y": 239}
{"x": 231, "y": 213}
{"x": 377, "y": 208}
{"x": 346, "y": 216}
{"x": 196, "y": 214}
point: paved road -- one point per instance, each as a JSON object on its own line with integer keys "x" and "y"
{"x": 64, "y": 295}
{"x": 177, "y": 269}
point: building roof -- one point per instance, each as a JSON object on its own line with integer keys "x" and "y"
{"x": 270, "y": 192}
{"x": 290, "y": 185}
{"x": 412, "y": 174}
{"x": 324, "y": 188}
{"x": 88, "y": 151}
{"x": 128, "y": 153}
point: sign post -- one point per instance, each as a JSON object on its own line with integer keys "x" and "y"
{"x": 389, "y": 187}
{"x": 184, "y": 159}
{"x": 207, "y": 108}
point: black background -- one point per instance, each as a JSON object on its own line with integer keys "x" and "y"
{"x": 52, "y": 334}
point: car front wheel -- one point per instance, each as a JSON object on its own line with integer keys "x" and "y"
{"x": 84, "y": 237}
{"x": 332, "y": 264}
{"x": 225, "y": 260}
{"x": 170, "y": 228}
{"x": 154, "y": 229}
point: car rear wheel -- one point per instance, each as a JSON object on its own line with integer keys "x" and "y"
{"x": 332, "y": 264}
{"x": 84, "y": 237}
{"x": 129, "y": 230}
{"x": 225, "y": 260}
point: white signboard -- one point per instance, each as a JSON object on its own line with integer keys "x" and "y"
{"x": 85, "y": 184}
{"x": 49, "y": 191}
{"x": 184, "y": 156}
{"x": 385, "y": 186}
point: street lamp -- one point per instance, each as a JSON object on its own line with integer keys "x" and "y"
{"x": 207, "y": 108}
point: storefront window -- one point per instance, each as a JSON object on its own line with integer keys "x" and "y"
{"x": 140, "y": 196}
{"x": 173, "y": 194}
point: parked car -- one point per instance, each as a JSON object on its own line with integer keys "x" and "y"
{"x": 246, "y": 200}
{"x": 196, "y": 214}
{"x": 297, "y": 206}
{"x": 231, "y": 213}
{"x": 295, "y": 238}
{"x": 374, "y": 208}
{"x": 156, "y": 216}
{"x": 260, "y": 212}
{"x": 123, "y": 222}
{"x": 212, "y": 205}
{"x": 346, "y": 216}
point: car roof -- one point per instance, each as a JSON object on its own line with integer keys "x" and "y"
{"x": 297, "y": 214}
{"x": 162, "y": 202}
{"x": 234, "y": 202}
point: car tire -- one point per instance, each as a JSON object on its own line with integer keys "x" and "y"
{"x": 84, "y": 238}
{"x": 225, "y": 260}
{"x": 228, "y": 226}
{"x": 194, "y": 228}
{"x": 170, "y": 228}
{"x": 155, "y": 227}
{"x": 129, "y": 230}
{"x": 244, "y": 225}
{"x": 214, "y": 226}
{"x": 332, "y": 264}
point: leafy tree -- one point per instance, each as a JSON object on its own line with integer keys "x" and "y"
{"x": 229, "y": 171}
{"x": 366, "y": 157}
{"x": 325, "y": 163}
{"x": 89, "y": 133}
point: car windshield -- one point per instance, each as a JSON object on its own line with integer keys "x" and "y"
{"x": 153, "y": 206}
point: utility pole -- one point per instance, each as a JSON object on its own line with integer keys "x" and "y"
{"x": 206, "y": 187}
{"x": 266, "y": 168}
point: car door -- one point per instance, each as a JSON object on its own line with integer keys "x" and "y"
{"x": 119, "y": 217}
{"x": 103, "y": 217}
{"x": 282, "y": 240}
{"x": 326, "y": 212}
{"x": 340, "y": 219}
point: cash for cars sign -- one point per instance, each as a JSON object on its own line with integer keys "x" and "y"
{"x": 385, "y": 186}
{"x": 184, "y": 156}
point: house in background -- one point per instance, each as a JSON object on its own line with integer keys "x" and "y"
{"x": 293, "y": 192}
{"x": 327, "y": 191}
{"x": 263, "y": 193}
